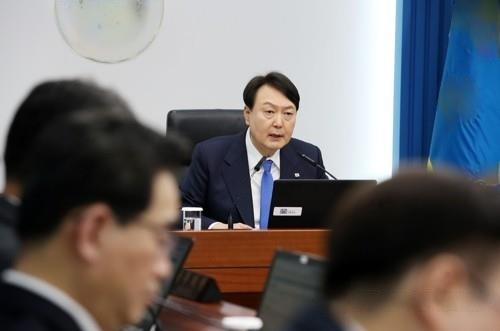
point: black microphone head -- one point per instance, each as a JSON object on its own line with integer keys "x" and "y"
{"x": 308, "y": 159}
{"x": 316, "y": 164}
{"x": 259, "y": 164}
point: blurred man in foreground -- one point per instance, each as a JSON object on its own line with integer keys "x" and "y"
{"x": 93, "y": 226}
{"x": 418, "y": 252}
{"x": 45, "y": 103}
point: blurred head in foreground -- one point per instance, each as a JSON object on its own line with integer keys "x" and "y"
{"x": 420, "y": 251}
{"x": 96, "y": 211}
{"x": 46, "y": 102}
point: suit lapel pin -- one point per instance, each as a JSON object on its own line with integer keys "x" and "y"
{"x": 297, "y": 175}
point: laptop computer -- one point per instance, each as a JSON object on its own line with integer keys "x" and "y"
{"x": 306, "y": 203}
{"x": 295, "y": 280}
{"x": 179, "y": 254}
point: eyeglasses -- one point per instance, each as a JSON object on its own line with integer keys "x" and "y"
{"x": 160, "y": 232}
{"x": 164, "y": 239}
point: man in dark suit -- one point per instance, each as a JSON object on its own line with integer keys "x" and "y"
{"x": 45, "y": 103}
{"x": 93, "y": 226}
{"x": 226, "y": 173}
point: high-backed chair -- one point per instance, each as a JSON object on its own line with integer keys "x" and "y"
{"x": 197, "y": 125}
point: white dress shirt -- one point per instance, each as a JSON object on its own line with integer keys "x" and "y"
{"x": 254, "y": 157}
{"x": 57, "y": 297}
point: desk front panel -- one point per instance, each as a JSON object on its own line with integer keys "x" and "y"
{"x": 239, "y": 260}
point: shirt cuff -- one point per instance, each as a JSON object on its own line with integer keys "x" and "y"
{"x": 211, "y": 226}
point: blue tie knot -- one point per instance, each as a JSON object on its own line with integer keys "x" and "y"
{"x": 267, "y": 165}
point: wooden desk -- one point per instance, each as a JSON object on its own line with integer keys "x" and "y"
{"x": 184, "y": 315}
{"x": 239, "y": 260}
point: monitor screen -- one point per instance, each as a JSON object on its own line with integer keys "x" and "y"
{"x": 295, "y": 280}
{"x": 307, "y": 203}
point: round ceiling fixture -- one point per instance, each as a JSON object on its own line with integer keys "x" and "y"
{"x": 109, "y": 31}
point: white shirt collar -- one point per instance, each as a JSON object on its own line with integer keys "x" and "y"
{"x": 13, "y": 200}
{"x": 354, "y": 326}
{"x": 79, "y": 314}
{"x": 254, "y": 155}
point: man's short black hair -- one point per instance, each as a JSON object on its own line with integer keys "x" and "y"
{"x": 45, "y": 102}
{"x": 276, "y": 80}
{"x": 378, "y": 233}
{"x": 91, "y": 158}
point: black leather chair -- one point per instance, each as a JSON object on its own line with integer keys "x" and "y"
{"x": 196, "y": 125}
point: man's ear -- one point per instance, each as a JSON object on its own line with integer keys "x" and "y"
{"x": 91, "y": 230}
{"x": 440, "y": 285}
{"x": 246, "y": 114}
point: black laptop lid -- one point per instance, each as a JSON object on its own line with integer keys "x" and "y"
{"x": 179, "y": 254}
{"x": 305, "y": 203}
{"x": 294, "y": 281}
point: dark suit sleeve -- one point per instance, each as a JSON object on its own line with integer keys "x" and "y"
{"x": 9, "y": 243}
{"x": 195, "y": 185}
{"x": 315, "y": 317}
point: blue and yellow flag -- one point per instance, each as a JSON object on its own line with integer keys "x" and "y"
{"x": 466, "y": 132}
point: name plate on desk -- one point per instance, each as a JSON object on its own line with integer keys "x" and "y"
{"x": 287, "y": 211}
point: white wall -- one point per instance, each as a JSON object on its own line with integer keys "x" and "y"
{"x": 339, "y": 53}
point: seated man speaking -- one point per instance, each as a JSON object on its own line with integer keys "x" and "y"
{"x": 231, "y": 177}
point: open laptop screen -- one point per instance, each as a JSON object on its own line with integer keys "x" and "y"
{"x": 295, "y": 280}
{"x": 305, "y": 203}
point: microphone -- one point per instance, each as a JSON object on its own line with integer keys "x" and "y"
{"x": 230, "y": 222}
{"x": 317, "y": 165}
{"x": 258, "y": 166}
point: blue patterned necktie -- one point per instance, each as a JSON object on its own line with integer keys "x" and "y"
{"x": 266, "y": 190}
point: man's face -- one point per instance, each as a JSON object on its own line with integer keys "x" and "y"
{"x": 479, "y": 308}
{"x": 271, "y": 121}
{"x": 139, "y": 256}
{"x": 458, "y": 298}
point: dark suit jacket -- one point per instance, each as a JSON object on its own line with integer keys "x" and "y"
{"x": 22, "y": 310}
{"x": 314, "y": 318}
{"x": 218, "y": 178}
{"x": 8, "y": 239}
